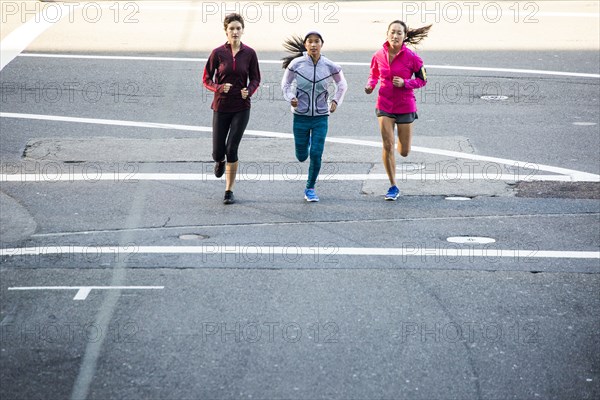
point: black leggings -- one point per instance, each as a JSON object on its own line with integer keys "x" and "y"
{"x": 228, "y": 128}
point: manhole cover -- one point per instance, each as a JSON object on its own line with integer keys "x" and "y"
{"x": 470, "y": 240}
{"x": 458, "y": 198}
{"x": 193, "y": 236}
{"x": 494, "y": 98}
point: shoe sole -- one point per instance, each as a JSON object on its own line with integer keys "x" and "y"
{"x": 391, "y": 198}
{"x": 311, "y": 200}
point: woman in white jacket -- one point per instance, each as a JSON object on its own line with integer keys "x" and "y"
{"x": 305, "y": 86}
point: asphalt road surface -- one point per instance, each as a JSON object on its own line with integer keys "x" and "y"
{"x": 123, "y": 276}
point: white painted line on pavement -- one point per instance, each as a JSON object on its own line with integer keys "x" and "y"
{"x": 125, "y": 58}
{"x": 575, "y": 176}
{"x": 21, "y": 37}
{"x": 275, "y": 177}
{"x": 343, "y": 63}
{"x": 410, "y": 250}
{"x": 84, "y": 291}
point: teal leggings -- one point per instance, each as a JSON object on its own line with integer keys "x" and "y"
{"x": 309, "y": 137}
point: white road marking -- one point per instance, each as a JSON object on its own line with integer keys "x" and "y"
{"x": 574, "y": 175}
{"x": 21, "y": 37}
{"x": 409, "y": 250}
{"x": 343, "y": 63}
{"x": 84, "y": 291}
{"x": 294, "y": 176}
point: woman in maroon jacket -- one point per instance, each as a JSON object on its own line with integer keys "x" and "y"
{"x": 232, "y": 73}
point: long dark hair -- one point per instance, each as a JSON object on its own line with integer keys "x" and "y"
{"x": 295, "y": 46}
{"x": 413, "y": 36}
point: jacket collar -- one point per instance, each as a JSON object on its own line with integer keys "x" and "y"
{"x": 227, "y": 45}
{"x": 309, "y": 58}
{"x": 386, "y": 46}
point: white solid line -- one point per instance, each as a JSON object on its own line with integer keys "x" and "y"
{"x": 410, "y": 250}
{"x": 112, "y": 122}
{"x": 125, "y": 58}
{"x": 576, "y": 176}
{"x": 21, "y": 37}
{"x": 517, "y": 71}
{"x": 275, "y": 177}
{"x": 343, "y": 63}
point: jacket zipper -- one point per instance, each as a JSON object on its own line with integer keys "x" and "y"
{"x": 314, "y": 83}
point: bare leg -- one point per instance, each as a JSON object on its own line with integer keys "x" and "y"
{"x": 386, "y": 125}
{"x": 230, "y": 173}
{"x": 404, "y": 138}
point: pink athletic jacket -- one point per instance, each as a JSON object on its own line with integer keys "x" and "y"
{"x": 393, "y": 99}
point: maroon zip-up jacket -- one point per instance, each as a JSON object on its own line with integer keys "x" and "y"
{"x": 241, "y": 71}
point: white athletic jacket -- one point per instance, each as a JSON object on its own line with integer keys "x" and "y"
{"x": 313, "y": 82}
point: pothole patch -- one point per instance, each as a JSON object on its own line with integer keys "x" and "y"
{"x": 560, "y": 190}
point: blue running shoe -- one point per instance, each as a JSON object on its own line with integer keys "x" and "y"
{"x": 310, "y": 195}
{"x": 393, "y": 193}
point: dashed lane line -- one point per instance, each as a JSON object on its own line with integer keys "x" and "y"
{"x": 84, "y": 291}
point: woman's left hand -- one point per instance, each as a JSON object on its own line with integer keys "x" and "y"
{"x": 245, "y": 93}
{"x": 398, "y": 82}
{"x": 333, "y": 106}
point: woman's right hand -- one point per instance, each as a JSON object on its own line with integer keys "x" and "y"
{"x": 368, "y": 90}
{"x": 225, "y": 88}
{"x": 294, "y": 102}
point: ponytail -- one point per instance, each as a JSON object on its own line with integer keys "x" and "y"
{"x": 295, "y": 46}
{"x": 413, "y": 36}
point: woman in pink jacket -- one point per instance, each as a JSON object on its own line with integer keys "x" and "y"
{"x": 394, "y": 65}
